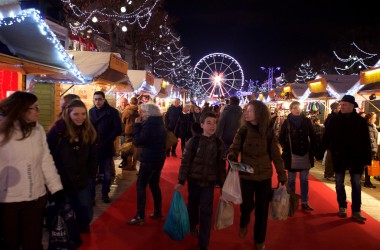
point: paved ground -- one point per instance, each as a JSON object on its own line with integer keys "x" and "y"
{"x": 370, "y": 197}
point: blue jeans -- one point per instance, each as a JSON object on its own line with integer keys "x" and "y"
{"x": 106, "y": 167}
{"x": 81, "y": 203}
{"x": 149, "y": 173}
{"x": 356, "y": 193}
{"x": 304, "y": 183}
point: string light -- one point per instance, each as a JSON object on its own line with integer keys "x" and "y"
{"x": 354, "y": 63}
{"x": 167, "y": 58}
{"x": 46, "y": 31}
{"x": 305, "y": 73}
{"x": 141, "y": 15}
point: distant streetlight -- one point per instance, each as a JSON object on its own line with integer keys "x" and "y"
{"x": 270, "y": 71}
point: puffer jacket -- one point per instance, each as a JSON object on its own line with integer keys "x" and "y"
{"x": 256, "y": 153}
{"x": 76, "y": 162}
{"x": 150, "y": 136}
{"x": 204, "y": 165}
{"x": 26, "y": 167}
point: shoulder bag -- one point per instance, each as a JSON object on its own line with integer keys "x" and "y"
{"x": 298, "y": 162}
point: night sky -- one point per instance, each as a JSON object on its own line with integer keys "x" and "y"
{"x": 274, "y": 33}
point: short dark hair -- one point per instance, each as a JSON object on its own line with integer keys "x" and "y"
{"x": 205, "y": 115}
{"x": 234, "y": 100}
{"x": 100, "y": 93}
{"x": 134, "y": 101}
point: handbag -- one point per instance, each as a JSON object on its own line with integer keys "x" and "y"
{"x": 224, "y": 216}
{"x": 374, "y": 169}
{"x": 298, "y": 162}
{"x": 177, "y": 223}
{"x": 171, "y": 139}
{"x": 64, "y": 232}
{"x": 231, "y": 190}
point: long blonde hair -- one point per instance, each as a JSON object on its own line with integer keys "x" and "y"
{"x": 86, "y": 133}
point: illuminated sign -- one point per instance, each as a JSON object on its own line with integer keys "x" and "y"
{"x": 318, "y": 85}
{"x": 370, "y": 76}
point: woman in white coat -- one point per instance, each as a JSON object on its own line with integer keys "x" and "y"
{"x": 26, "y": 169}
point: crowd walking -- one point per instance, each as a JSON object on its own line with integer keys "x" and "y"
{"x": 79, "y": 149}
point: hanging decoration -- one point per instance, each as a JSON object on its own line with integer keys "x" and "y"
{"x": 356, "y": 62}
{"x": 87, "y": 14}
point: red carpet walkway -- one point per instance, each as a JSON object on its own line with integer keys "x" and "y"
{"x": 320, "y": 229}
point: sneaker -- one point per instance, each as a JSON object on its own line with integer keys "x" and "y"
{"x": 106, "y": 198}
{"x": 243, "y": 232}
{"x": 369, "y": 185}
{"x": 342, "y": 212}
{"x": 136, "y": 221}
{"x": 358, "y": 217}
{"x": 158, "y": 217}
{"x": 194, "y": 232}
{"x": 306, "y": 207}
{"x": 260, "y": 246}
{"x": 330, "y": 179}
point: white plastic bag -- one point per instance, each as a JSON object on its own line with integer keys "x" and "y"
{"x": 231, "y": 189}
{"x": 279, "y": 207}
{"x": 224, "y": 216}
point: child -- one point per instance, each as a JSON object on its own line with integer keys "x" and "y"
{"x": 203, "y": 164}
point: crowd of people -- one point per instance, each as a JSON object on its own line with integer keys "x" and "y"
{"x": 64, "y": 165}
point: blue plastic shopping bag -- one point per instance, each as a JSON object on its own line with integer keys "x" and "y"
{"x": 177, "y": 224}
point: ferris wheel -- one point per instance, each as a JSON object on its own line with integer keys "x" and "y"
{"x": 219, "y": 75}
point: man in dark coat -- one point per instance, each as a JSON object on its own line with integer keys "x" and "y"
{"x": 229, "y": 122}
{"x": 107, "y": 123}
{"x": 347, "y": 137}
{"x": 171, "y": 118}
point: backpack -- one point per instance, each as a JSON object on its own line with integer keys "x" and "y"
{"x": 194, "y": 146}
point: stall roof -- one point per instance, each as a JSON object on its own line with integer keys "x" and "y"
{"x": 341, "y": 83}
{"x": 28, "y": 37}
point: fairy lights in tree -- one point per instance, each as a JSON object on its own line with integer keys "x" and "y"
{"x": 167, "y": 58}
{"x": 84, "y": 15}
{"x": 355, "y": 62}
{"x": 305, "y": 73}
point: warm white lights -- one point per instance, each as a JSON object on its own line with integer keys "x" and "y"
{"x": 124, "y": 28}
{"x": 94, "y": 19}
{"x": 123, "y": 9}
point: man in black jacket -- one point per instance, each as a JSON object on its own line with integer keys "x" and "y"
{"x": 107, "y": 123}
{"x": 347, "y": 137}
{"x": 171, "y": 118}
{"x": 229, "y": 122}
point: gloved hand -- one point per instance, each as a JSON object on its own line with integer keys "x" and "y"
{"x": 59, "y": 197}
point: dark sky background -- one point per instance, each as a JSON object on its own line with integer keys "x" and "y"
{"x": 274, "y": 33}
